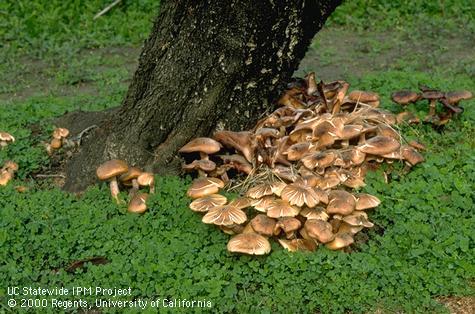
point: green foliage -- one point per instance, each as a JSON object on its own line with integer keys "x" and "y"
{"x": 423, "y": 242}
{"x": 50, "y": 26}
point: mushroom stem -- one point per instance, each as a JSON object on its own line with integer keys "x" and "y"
{"x": 135, "y": 187}
{"x": 432, "y": 104}
{"x": 152, "y": 187}
{"x": 115, "y": 190}
{"x": 201, "y": 173}
{"x": 204, "y": 156}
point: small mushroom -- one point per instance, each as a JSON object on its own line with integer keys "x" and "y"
{"x": 451, "y": 100}
{"x": 295, "y": 245}
{"x": 341, "y": 202}
{"x": 280, "y": 208}
{"x": 319, "y": 230}
{"x": 300, "y": 194}
{"x": 240, "y": 141}
{"x": 147, "y": 179}
{"x": 341, "y": 240}
{"x": 203, "y": 166}
{"x": 110, "y": 170}
{"x": 366, "y": 201}
{"x": 203, "y": 145}
{"x": 138, "y": 203}
{"x": 249, "y": 242}
{"x": 432, "y": 96}
{"x": 205, "y": 203}
{"x": 225, "y": 215}
{"x": 204, "y": 186}
{"x": 405, "y": 97}
{"x": 6, "y": 138}
{"x": 263, "y": 225}
{"x": 379, "y": 145}
{"x": 288, "y": 225}
{"x": 131, "y": 177}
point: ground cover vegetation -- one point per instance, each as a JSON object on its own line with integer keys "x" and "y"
{"x": 54, "y": 58}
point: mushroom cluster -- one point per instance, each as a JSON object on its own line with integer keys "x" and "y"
{"x": 117, "y": 171}
{"x": 449, "y": 100}
{"x": 8, "y": 172}
{"x": 5, "y": 139}
{"x": 299, "y": 165}
{"x": 58, "y": 140}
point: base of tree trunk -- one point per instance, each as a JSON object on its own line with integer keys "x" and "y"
{"x": 207, "y": 65}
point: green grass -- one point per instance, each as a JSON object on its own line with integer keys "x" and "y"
{"x": 54, "y": 58}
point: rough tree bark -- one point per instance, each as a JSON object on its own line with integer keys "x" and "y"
{"x": 207, "y": 65}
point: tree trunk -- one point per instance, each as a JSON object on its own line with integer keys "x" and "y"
{"x": 207, "y": 65}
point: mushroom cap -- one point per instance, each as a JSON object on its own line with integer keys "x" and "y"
{"x": 341, "y": 202}
{"x": 60, "y": 133}
{"x": 202, "y": 164}
{"x": 363, "y": 96}
{"x": 138, "y": 203}
{"x": 287, "y": 224}
{"x": 132, "y": 173}
{"x": 249, "y": 243}
{"x": 299, "y": 194}
{"x": 350, "y": 131}
{"x": 241, "y": 141}
{"x": 205, "y": 203}
{"x": 456, "y": 96}
{"x": 379, "y": 145}
{"x": 263, "y": 203}
{"x": 285, "y": 173}
{"x": 111, "y": 169}
{"x": 319, "y": 230}
{"x": 432, "y": 94}
{"x": 7, "y": 137}
{"x": 146, "y": 179}
{"x": 280, "y": 208}
{"x": 412, "y": 156}
{"x": 266, "y": 133}
{"x": 238, "y": 162}
{"x": 358, "y": 219}
{"x": 241, "y": 202}
{"x": 265, "y": 189}
{"x": 319, "y": 159}
{"x": 201, "y": 144}
{"x": 297, "y": 151}
{"x": 417, "y": 145}
{"x": 295, "y": 245}
{"x": 341, "y": 240}
{"x": 204, "y": 186}
{"x": 56, "y": 143}
{"x": 366, "y": 201}
{"x": 5, "y": 177}
{"x": 405, "y": 97}
{"x": 10, "y": 165}
{"x": 232, "y": 229}
{"x": 225, "y": 215}
{"x": 315, "y": 213}
{"x": 346, "y": 228}
{"x": 263, "y": 225}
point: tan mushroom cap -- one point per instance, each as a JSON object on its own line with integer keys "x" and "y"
{"x": 341, "y": 202}
{"x": 457, "y": 96}
{"x": 225, "y": 215}
{"x": 379, "y": 145}
{"x": 238, "y": 162}
{"x": 7, "y": 137}
{"x": 358, "y": 219}
{"x": 10, "y": 165}
{"x": 295, "y": 245}
{"x": 202, "y": 164}
{"x": 240, "y": 141}
{"x": 432, "y": 94}
{"x": 241, "y": 202}
{"x": 297, "y": 151}
{"x": 201, "y": 144}
{"x": 288, "y": 225}
{"x": 319, "y": 230}
{"x": 417, "y": 145}
{"x": 363, "y": 96}
{"x": 146, "y": 179}
{"x": 204, "y": 186}
{"x": 208, "y": 202}
{"x": 5, "y": 177}
{"x": 299, "y": 194}
{"x": 280, "y": 208}
{"x": 263, "y": 225}
{"x": 56, "y": 143}
{"x": 366, "y": 201}
{"x": 319, "y": 159}
{"x": 249, "y": 243}
{"x": 265, "y": 189}
{"x": 341, "y": 240}
{"x": 111, "y": 169}
{"x": 132, "y": 173}
{"x": 263, "y": 203}
{"x": 60, "y": 133}
{"x": 412, "y": 156}
{"x": 138, "y": 203}
{"x": 405, "y": 97}
{"x": 232, "y": 229}
{"x": 314, "y": 213}
{"x": 346, "y": 228}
